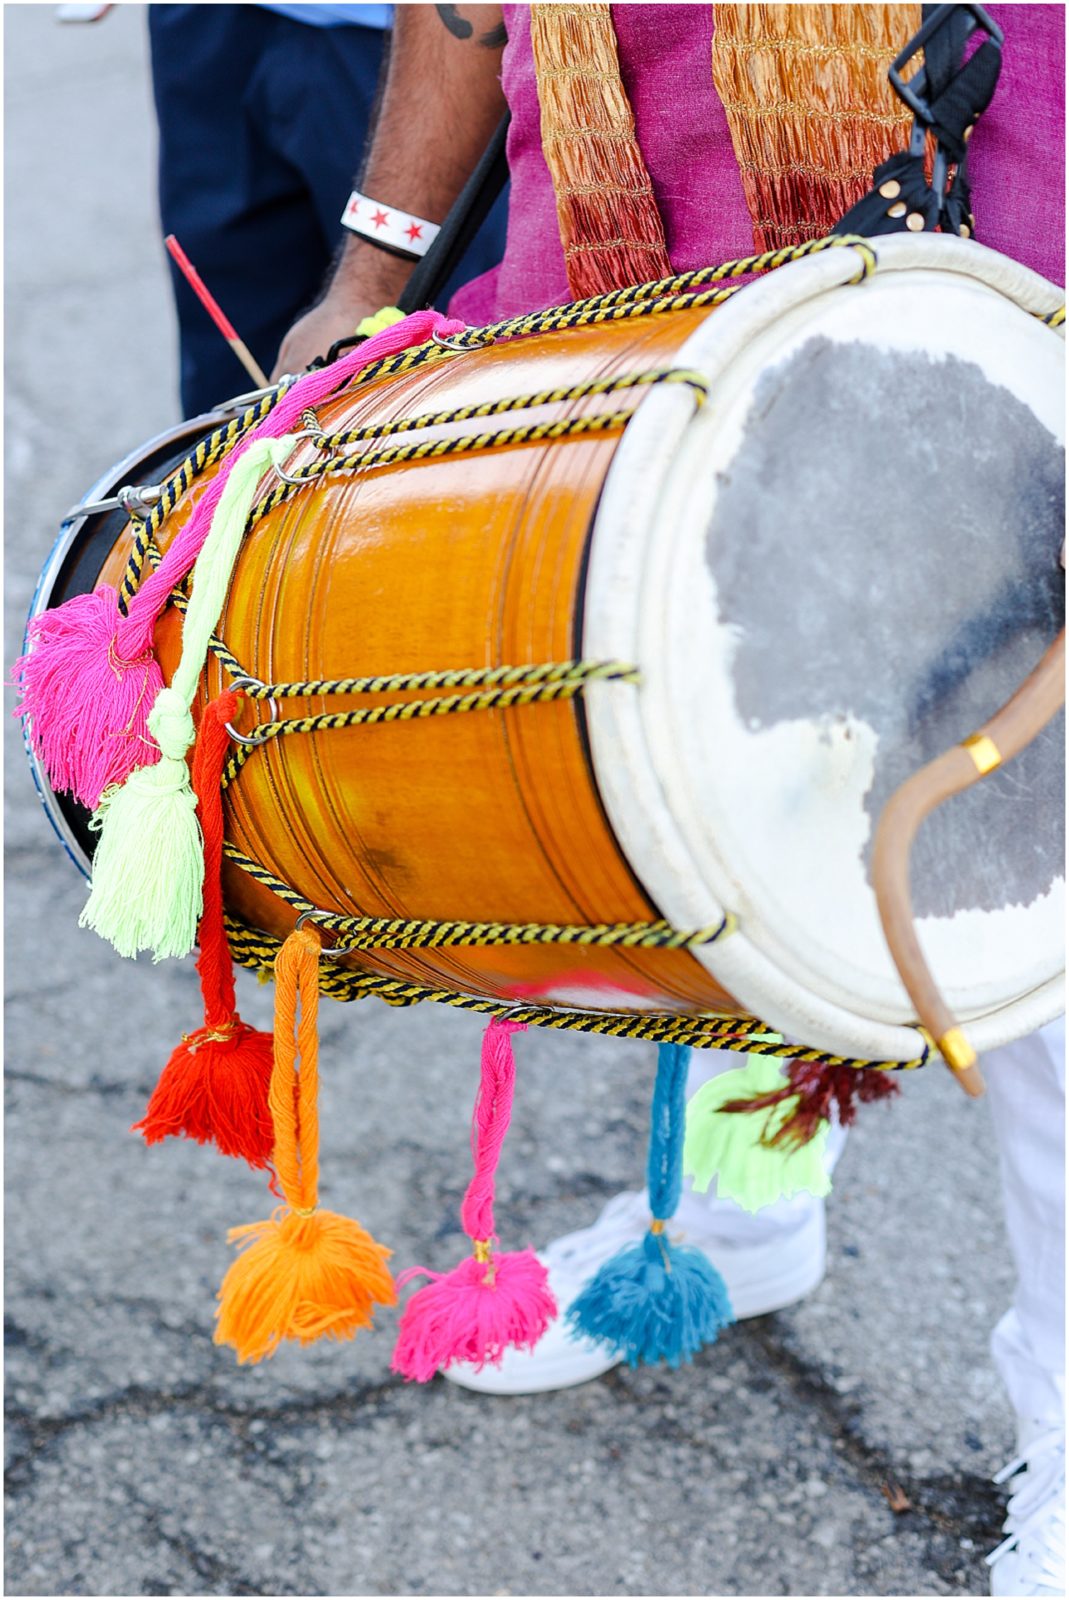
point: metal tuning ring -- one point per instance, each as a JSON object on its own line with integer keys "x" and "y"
{"x": 318, "y": 436}
{"x": 308, "y": 916}
{"x": 448, "y": 344}
{"x": 246, "y": 681}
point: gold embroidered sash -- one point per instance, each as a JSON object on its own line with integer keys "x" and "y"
{"x": 610, "y": 226}
{"x": 809, "y": 107}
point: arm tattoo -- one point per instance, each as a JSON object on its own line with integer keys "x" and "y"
{"x": 461, "y": 28}
{"x": 458, "y": 27}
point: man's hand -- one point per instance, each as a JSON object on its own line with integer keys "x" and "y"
{"x": 313, "y": 334}
{"x": 441, "y": 103}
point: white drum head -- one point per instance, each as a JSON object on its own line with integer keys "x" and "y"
{"x": 838, "y": 567}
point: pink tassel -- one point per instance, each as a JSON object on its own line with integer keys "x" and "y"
{"x": 489, "y": 1302}
{"x": 89, "y": 679}
{"x": 85, "y": 708}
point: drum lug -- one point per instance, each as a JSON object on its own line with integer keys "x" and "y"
{"x": 137, "y": 500}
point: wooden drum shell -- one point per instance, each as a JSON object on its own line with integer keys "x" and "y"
{"x": 471, "y": 561}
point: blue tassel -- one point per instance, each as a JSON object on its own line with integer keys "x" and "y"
{"x": 656, "y": 1301}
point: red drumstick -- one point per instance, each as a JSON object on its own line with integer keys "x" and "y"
{"x": 215, "y": 311}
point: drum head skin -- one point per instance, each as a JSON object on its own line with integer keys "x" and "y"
{"x": 837, "y": 568}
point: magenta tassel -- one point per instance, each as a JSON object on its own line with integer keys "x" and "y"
{"x": 473, "y": 1313}
{"x": 489, "y": 1302}
{"x": 89, "y": 680}
{"x": 86, "y": 708}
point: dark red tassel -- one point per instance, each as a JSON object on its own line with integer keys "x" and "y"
{"x": 818, "y": 1086}
{"x": 214, "y": 1088}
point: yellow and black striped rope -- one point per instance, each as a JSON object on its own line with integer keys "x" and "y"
{"x": 205, "y": 453}
{"x": 398, "y": 933}
{"x": 397, "y": 682}
{"x": 663, "y": 295}
{"x": 1054, "y": 319}
{"x": 644, "y": 299}
{"x": 251, "y": 948}
{"x": 522, "y": 402}
{"x": 434, "y": 449}
{"x": 522, "y": 694}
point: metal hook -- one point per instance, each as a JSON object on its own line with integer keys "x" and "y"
{"x": 308, "y": 916}
{"x": 245, "y": 680}
{"x": 447, "y": 344}
{"x": 305, "y": 433}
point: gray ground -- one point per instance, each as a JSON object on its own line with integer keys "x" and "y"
{"x": 142, "y": 1461}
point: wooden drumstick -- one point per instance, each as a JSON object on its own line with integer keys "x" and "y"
{"x": 1004, "y": 736}
{"x": 216, "y": 312}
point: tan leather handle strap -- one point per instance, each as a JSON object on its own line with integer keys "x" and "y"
{"x": 1000, "y": 739}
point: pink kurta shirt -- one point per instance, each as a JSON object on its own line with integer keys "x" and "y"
{"x": 1016, "y": 158}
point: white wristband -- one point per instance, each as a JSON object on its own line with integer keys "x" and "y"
{"x": 385, "y": 225}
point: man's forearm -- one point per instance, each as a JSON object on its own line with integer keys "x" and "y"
{"x": 440, "y": 105}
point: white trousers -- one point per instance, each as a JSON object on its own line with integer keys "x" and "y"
{"x": 1026, "y": 1087}
{"x": 1026, "y": 1090}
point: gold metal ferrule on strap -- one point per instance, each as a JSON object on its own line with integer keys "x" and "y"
{"x": 985, "y": 753}
{"x": 304, "y": 1211}
{"x": 658, "y": 1225}
{"x": 956, "y": 1050}
{"x": 481, "y": 1249}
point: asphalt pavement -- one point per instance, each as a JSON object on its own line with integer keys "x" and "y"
{"x": 842, "y": 1447}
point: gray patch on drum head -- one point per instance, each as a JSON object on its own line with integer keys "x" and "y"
{"x": 885, "y": 542}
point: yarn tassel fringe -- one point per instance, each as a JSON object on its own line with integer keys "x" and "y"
{"x": 214, "y": 1088}
{"x": 85, "y": 709}
{"x": 305, "y": 1273}
{"x": 811, "y": 1091}
{"x": 491, "y": 1302}
{"x": 751, "y": 1165}
{"x": 148, "y": 870}
{"x": 655, "y": 1300}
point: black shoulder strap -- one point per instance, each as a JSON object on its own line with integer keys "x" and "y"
{"x": 946, "y": 97}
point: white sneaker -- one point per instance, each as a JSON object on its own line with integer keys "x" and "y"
{"x": 764, "y": 1268}
{"x": 1031, "y": 1559}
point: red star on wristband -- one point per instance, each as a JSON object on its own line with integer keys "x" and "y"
{"x": 414, "y": 230}
{"x": 380, "y": 219}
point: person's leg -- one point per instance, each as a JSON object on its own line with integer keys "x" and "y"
{"x": 1026, "y": 1088}
{"x": 312, "y": 98}
{"x": 239, "y": 209}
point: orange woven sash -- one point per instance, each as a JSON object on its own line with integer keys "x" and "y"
{"x": 809, "y": 107}
{"x": 609, "y": 224}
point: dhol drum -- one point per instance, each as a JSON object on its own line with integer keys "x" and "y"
{"x": 824, "y": 549}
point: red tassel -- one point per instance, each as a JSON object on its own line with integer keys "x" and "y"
{"x": 817, "y": 1085}
{"x": 215, "y": 1086}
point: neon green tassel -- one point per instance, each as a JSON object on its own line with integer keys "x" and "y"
{"x": 148, "y": 869}
{"x": 725, "y": 1145}
{"x": 381, "y": 320}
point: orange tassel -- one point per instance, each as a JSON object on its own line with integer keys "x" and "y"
{"x": 214, "y": 1086}
{"x": 305, "y": 1273}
